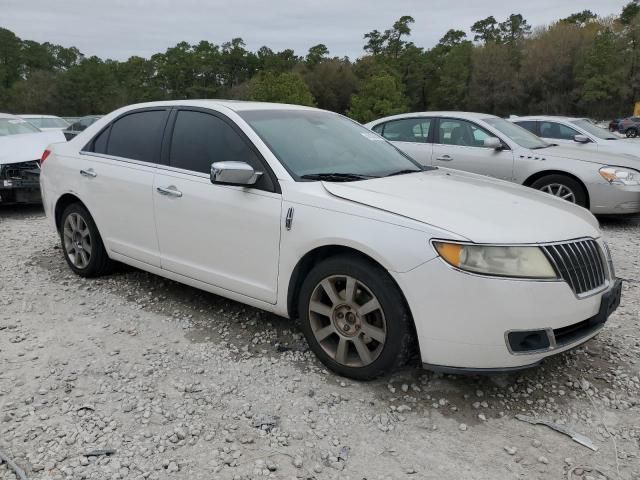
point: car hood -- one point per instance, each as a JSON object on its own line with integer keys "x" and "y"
{"x": 481, "y": 209}
{"x": 26, "y": 146}
{"x": 620, "y": 159}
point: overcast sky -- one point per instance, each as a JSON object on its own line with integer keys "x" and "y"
{"x": 119, "y": 29}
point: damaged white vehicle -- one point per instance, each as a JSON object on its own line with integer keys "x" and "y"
{"x": 21, "y": 145}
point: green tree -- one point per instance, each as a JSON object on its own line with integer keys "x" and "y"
{"x": 332, "y": 82}
{"x": 316, "y": 54}
{"x": 10, "y": 58}
{"x": 514, "y": 28}
{"x": 280, "y": 88}
{"x": 629, "y": 12}
{"x": 580, "y": 18}
{"x": 378, "y": 96}
{"x": 486, "y": 30}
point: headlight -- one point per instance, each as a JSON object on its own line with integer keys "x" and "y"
{"x": 505, "y": 261}
{"x": 620, "y": 176}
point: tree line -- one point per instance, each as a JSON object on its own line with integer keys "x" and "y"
{"x": 578, "y": 65}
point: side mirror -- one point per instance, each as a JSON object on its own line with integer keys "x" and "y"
{"x": 234, "y": 173}
{"x": 581, "y": 139}
{"x": 493, "y": 142}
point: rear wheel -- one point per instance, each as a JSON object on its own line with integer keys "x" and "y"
{"x": 81, "y": 243}
{"x": 632, "y": 132}
{"x": 354, "y": 318}
{"x": 563, "y": 187}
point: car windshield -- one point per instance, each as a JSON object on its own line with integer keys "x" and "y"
{"x": 15, "y": 126}
{"x": 594, "y": 130}
{"x": 48, "y": 122}
{"x": 310, "y": 144}
{"x": 521, "y": 136}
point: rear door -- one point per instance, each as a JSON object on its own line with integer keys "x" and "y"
{"x": 223, "y": 235}
{"x": 117, "y": 182}
{"x": 459, "y": 144}
{"x": 411, "y": 135}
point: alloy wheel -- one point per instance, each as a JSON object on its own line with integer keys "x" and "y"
{"x": 347, "y": 320}
{"x": 560, "y": 190}
{"x": 77, "y": 240}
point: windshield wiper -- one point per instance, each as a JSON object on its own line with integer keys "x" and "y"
{"x": 336, "y": 177}
{"x": 402, "y": 172}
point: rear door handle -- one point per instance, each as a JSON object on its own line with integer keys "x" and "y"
{"x": 170, "y": 191}
{"x": 88, "y": 173}
{"x": 444, "y": 158}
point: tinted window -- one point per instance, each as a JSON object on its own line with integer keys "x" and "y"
{"x": 100, "y": 143}
{"x": 407, "y": 130}
{"x": 557, "y": 131}
{"x": 462, "y": 133}
{"x": 200, "y": 139}
{"x": 137, "y": 136}
{"x": 378, "y": 128}
{"x": 529, "y": 125}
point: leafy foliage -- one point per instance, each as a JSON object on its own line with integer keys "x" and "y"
{"x": 579, "y": 65}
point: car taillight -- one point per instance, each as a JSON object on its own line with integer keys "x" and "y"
{"x": 45, "y": 154}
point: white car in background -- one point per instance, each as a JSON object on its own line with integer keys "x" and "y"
{"x": 490, "y": 145}
{"x": 47, "y": 123}
{"x": 21, "y": 146}
{"x": 309, "y": 215}
{"x": 578, "y": 132}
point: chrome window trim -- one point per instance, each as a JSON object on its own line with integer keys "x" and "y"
{"x": 119, "y": 159}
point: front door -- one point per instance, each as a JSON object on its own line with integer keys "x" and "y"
{"x": 459, "y": 145}
{"x": 226, "y": 236}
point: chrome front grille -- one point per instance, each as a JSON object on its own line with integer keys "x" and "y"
{"x": 579, "y": 263}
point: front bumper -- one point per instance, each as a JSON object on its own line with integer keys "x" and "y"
{"x": 609, "y": 199}
{"x": 20, "y": 183}
{"x": 463, "y": 320}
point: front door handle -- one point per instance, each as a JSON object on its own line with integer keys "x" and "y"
{"x": 88, "y": 173}
{"x": 444, "y": 158}
{"x": 170, "y": 191}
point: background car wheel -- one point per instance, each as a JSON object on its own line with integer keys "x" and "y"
{"x": 632, "y": 133}
{"x": 81, "y": 243}
{"x": 563, "y": 187}
{"x": 355, "y": 318}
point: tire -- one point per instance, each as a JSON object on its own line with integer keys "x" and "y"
{"x": 81, "y": 243}
{"x": 564, "y": 187}
{"x": 631, "y": 133}
{"x": 373, "y": 342}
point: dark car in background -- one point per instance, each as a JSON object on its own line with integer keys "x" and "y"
{"x": 79, "y": 125}
{"x": 613, "y": 124}
{"x": 630, "y": 126}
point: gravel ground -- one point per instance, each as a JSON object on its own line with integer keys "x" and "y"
{"x": 177, "y": 383}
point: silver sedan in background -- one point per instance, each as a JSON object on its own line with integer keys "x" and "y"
{"x": 489, "y": 145}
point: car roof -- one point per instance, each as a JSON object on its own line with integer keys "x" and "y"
{"x": 461, "y": 115}
{"x": 236, "y": 105}
{"x": 8, "y": 115}
{"x": 546, "y": 117}
{"x": 32, "y": 115}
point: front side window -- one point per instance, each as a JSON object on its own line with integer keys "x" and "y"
{"x": 309, "y": 142}
{"x": 200, "y": 139}
{"x": 528, "y": 124}
{"x": 136, "y": 136}
{"x": 15, "y": 126}
{"x": 461, "y": 133}
{"x": 557, "y": 131}
{"x": 415, "y": 130}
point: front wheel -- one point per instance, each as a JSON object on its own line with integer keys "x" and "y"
{"x": 355, "y": 318}
{"x": 563, "y": 187}
{"x": 81, "y": 243}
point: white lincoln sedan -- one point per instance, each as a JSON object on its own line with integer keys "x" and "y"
{"x": 309, "y": 215}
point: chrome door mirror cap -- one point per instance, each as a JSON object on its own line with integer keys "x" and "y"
{"x": 234, "y": 173}
{"x": 581, "y": 138}
{"x": 493, "y": 142}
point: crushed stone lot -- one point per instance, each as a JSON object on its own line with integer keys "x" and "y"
{"x": 132, "y": 376}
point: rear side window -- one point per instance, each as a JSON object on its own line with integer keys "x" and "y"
{"x": 414, "y": 130}
{"x": 137, "y": 136}
{"x": 200, "y": 139}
